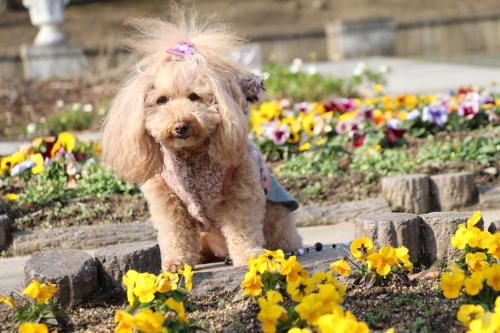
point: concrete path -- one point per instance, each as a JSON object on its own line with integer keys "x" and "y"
{"x": 414, "y": 76}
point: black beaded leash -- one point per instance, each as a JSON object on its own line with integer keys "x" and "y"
{"x": 300, "y": 252}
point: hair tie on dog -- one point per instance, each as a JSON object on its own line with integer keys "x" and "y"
{"x": 183, "y": 49}
{"x": 252, "y": 86}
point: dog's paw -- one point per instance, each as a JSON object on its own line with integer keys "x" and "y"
{"x": 242, "y": 259}
{"x": 173, "y": 266}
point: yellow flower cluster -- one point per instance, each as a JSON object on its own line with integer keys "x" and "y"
{"x": 37, "y": 151}
{"x": 481, "y": 248}
{"x": 147, "y": 321}
{"x": 474, "y": 239}
{"x": 478, "y": 320}
{"x": 39, "y": 292}
{"x": 383, "y": 261}
{"x": 143, "y": 288}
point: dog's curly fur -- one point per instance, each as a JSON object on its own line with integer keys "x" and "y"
{"x": 137, "y": 124}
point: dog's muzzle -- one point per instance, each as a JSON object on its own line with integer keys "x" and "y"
{"x": 181, "y": 127}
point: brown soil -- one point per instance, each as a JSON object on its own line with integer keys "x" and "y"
{"x": 416, "y": 308}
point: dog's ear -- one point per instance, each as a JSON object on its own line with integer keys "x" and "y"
{"x": 127, "y": 147}
{"x": 228, "y": 145}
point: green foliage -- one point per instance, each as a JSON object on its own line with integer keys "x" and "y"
{"x": 39, "y": 312}
{"x": 419, "y": 128}
{"x": 386, "y": 162}
{"x": 480, "y": 149}
{"x": 99, "y": 182}
{"x": 48, "y": 186}
{"x": 69, "y": 120}
{"x": 301, "y": 86}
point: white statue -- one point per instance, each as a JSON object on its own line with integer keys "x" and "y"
{"x": 47, "y": 14}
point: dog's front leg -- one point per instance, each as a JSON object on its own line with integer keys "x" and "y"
{"x": 178, "y": 232}
{"x": 241, "y": 215}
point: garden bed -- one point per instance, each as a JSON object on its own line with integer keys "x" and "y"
{"x": 420, "y": 307}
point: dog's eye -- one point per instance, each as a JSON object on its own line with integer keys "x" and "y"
{"x": 193, "y": 97}
{"x": 162, "y": 100}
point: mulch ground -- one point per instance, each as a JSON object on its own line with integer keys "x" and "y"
{"x": 420, "y": 307}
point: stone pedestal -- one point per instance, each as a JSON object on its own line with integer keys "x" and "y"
{"x": 113, "y": 262}
{"x": 409, "y": 192}
{"x": 437, "y": 230}
{"x": 391, "y": 229}
{"x": 489, "y": 196}
{"x": 5, "y": 233}
{"x": 361, "y": 38}
{"x": 452, "y": 191}
{"x": 43, "y": 62}
{"x": 73, "y": 272}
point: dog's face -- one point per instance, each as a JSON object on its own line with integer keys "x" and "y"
{"x": 180, "y": 109}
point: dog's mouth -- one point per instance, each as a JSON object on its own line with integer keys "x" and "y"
{"x": 182, "y": 137}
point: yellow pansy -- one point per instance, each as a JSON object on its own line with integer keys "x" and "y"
{"x": 476, "y": 261}
{"x": 12, "y": 196}
{"x": 305, "y": 146}
{"x": 474, "y": 284}
{"x": 451, "y": 283}
{"x": 8, "y": 300}
{"x": 125, "y": 322}
{"x": 145, "y": 287}
{"x": 252, "y": 284}
{"x": 187, "y": 272}
{"x": 40, "y": 292}
{"x": 361, "y": 248}
{"x": 293, "y": 269}
{"x": 342, "y": 267}
{"x": 65, "y": 140}
{"x": 270, "y": 261}
{"x": 310, "y": 309}
{"x": 178, "y": 307}
{"x": 492, "y": 275}
{"x": 149, "y": 321}
{"x": 383, "y": 260}
{"x": 33, "y": 328}
{"x": 300, "y": 288}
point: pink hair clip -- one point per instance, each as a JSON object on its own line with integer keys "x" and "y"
{"x": 183, "y": 49}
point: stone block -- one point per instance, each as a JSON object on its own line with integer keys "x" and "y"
{"x": 437, "y": 230}
{"x": 42, "y": 62}
{"x": 489, "y": 196}
{"x": 5, "y": 233}
{"x": 343, "y": 212}
{"x": 494, "y": 227}
{"x": 453, "y": 191}
{"x": 361, "y": 38}
{"x": 73, "y": 271}
{"x": 409, "y": 192}
{"x": 391, "y": 229}
{"x": 114, "y": 261}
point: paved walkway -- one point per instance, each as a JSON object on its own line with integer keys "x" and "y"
{"x": 415, "y": 76}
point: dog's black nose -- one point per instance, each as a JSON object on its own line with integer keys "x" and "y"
{"x": 181, "y": 127}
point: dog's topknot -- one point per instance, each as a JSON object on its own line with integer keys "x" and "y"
{"x": 210, "y": 37}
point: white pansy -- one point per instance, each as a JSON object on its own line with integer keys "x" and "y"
{"x": 87, "y": 108}
{"x": 31, "y": 128}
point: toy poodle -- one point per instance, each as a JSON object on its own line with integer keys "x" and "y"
{"x": 178, "y": 127}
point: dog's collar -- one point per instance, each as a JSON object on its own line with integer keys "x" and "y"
{"x": 203, "y": 148}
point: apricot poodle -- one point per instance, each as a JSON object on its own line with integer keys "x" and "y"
{"x": 178, "y": 127}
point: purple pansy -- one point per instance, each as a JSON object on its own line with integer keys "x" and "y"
{"x": 435, "y": 113}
